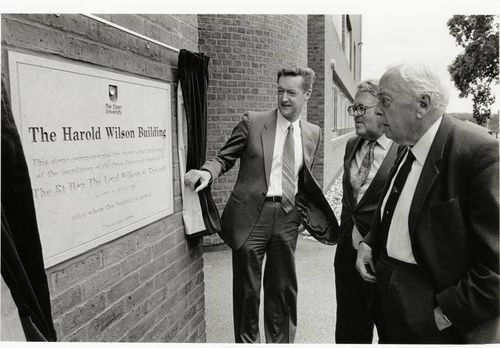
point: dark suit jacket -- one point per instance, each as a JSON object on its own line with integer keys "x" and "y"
{"x": 22, "y": 257}
{"x": 454, "y": 223}
{"x": 361, "y": 213}
{"x": 252, "y": 141}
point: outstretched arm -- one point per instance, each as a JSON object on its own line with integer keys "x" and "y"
{"x": 223, "y": 161}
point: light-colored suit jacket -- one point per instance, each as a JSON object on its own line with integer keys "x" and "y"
{"x": 359, "y": 213}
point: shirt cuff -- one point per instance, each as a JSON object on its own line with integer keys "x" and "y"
{"x": 442, "y": 321}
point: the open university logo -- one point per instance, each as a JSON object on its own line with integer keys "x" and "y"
{"x": 113, "y": 93}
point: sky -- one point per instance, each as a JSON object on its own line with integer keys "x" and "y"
{"x": 389, "y": 38}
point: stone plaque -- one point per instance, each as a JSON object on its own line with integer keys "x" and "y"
{"x": 99, "y": 150}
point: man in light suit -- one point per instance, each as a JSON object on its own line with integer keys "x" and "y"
{"x": 368, "y": 158}
{"x": 433, "y": 245}
{"x": 273, "y": 193}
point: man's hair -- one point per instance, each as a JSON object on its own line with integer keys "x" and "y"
{"x": 368, "y": 86}
{"x": 421, "y": 79}
{"x": 307, "y": 74}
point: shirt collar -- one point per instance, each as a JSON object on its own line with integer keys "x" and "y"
{"x": 423, "y": 145}
{"x": 283, "y": 123}
{"x": 384, "y": 141}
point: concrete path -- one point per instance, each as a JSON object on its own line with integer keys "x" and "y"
{"x": 316, "y": 296}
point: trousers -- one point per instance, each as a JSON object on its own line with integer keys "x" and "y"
{"x": 356, "y": 315}
{"x": 407, "y": 299}
{"x": 274, "y": 236}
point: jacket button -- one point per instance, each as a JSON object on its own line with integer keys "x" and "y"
{"x": 259, "y": 208}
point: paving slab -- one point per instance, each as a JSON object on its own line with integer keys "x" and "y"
{"x": 316, "y": 305}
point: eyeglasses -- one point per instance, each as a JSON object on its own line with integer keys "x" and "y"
{"x": 358, "y": 110}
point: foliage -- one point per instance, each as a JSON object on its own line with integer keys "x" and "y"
{"x": 493, "y": 122}
{"x": 476, "y": 69}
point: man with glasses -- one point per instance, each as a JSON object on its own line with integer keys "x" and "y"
{"x": 368, "y": 159}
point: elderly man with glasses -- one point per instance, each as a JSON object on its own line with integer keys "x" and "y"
{"x": 368, "y": 159}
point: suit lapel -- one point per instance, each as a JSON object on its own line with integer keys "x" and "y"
{"x": 308, "y": 142}
{"x": 430, "y": 171}
{"x": 376, "y": 220}
{"x": 382, "y": 173}
{"x": 268, "y": 137}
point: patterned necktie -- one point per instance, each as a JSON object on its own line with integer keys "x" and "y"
{"x": 288, "y": 172}
{"x": 364, "y": 169}
{"x": 392, "y": 200}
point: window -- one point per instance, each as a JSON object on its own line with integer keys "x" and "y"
{"x": 342, "y": 122}
{"x": 354, "y": 60}
{"x": 337, "y": 23}
{"x": 348, "y": 41}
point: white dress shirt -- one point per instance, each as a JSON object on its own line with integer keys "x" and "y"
{"x": 279, "y": 143}
{"x": 398, "y": 240}
{"x": 382, "y": 146}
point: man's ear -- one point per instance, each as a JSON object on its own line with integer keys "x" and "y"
{"x": 424, "y": 104}
{"x": 308, "y": 93}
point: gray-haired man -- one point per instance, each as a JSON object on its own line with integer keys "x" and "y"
{"x": 368, "y": 158}
{"x": 433, "y": 244}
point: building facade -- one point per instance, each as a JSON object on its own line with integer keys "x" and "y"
{"x": 246, "y": 51}
{"x": 335, "y": 53}
{"x": 147, "y": 286}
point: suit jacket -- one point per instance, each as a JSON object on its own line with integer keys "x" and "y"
{"x": 22, "y": 264}
{"x": 453, "y": 224}
{"x": 252, "y": 141}
{"x": 359, "y": 213}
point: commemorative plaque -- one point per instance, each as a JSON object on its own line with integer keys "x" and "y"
{"x": 98, "y": 144}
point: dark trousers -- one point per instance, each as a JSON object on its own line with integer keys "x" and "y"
{"x": 274, "y": 236}
{"x": 407, "y": 299}
{"x": 355, "y": 313}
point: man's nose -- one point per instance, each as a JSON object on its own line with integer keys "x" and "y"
{"x": 378, "y": 110}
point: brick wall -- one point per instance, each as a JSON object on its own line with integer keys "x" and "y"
{"x": 246, "y": 52}
{"x": 147, "y": 285}
{"x": 316, "y": 60}
{"x": 323, "y": 46}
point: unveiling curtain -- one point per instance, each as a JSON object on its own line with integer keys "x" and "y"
{"x": 22, "y": 263}
{"x": 193, "y": 76}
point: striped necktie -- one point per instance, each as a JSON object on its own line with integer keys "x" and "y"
{"x": 288, "y": 172}
{"x": 364, "y": 169}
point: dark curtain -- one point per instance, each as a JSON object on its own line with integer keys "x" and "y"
{"x": 193, "y": 75}
{"x": 22, "y": 263}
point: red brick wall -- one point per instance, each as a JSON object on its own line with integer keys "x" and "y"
{"x": 246, "y": 52}
{"x": 148, "y": 285}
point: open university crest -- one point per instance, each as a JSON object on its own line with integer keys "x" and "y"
{"x": 113, "y": 93}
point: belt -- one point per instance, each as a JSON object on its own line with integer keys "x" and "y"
{"x": 273, "y": 199}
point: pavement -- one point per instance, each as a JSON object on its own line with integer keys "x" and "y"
{"x": 316, "y": 305}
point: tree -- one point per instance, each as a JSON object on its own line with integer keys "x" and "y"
{"x": 493, "y": 122}
{"x": 476, "y": 69}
